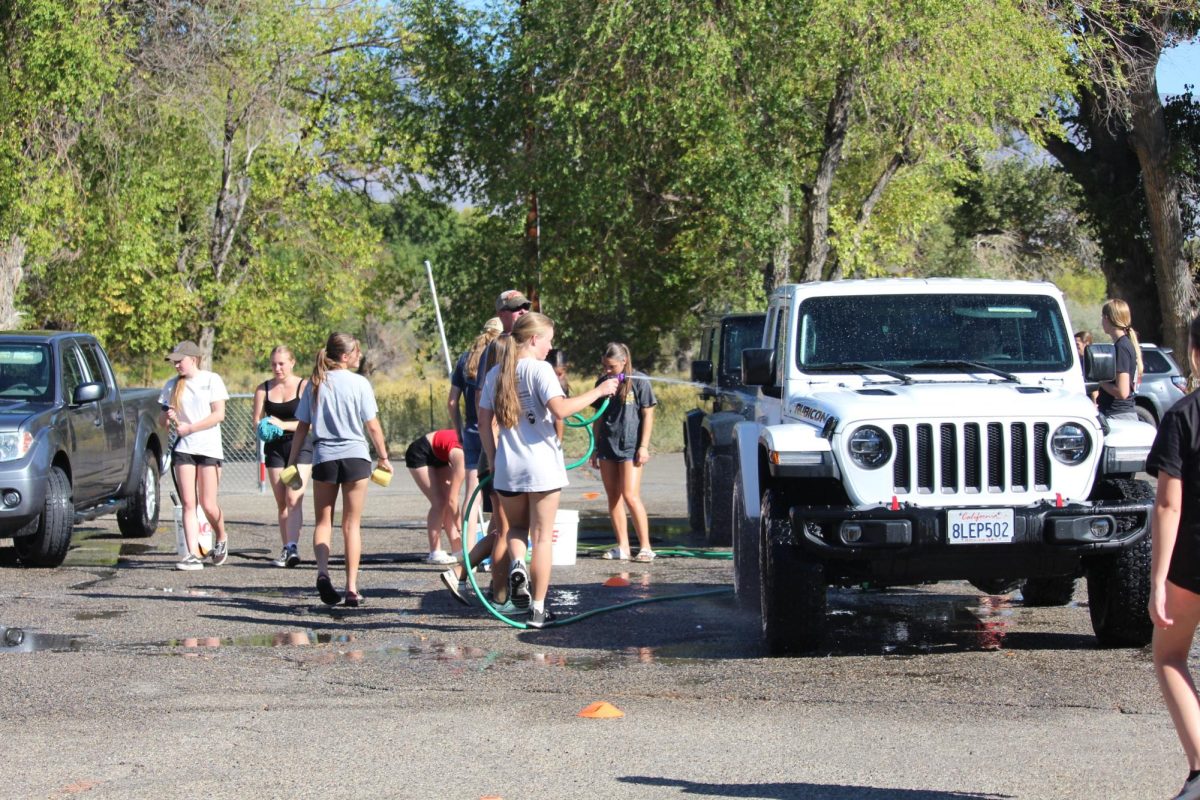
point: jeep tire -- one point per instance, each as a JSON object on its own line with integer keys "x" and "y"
{"x": 139, "y": 519}
{"x": 47, "y": 546}
{"x": 1048, "y": 592}
{"x": 745, "y": 554}
{"x": 717, "y": 516}
{"x": 793, "y": 587}
{"x": 1119, "y": 583}
{"x": 694, "y": 476}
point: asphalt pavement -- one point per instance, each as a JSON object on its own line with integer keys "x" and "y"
{"x": 133, "y": 680}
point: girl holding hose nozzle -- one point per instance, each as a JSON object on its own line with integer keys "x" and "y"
{"x": 523, "y": 395}
{"x": 623, "y": 448}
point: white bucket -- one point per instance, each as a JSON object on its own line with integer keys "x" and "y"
{"x": 205, "y": 535}
{"x": 565, "y": 538}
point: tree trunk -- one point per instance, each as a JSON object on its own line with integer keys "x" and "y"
{"x": 779, "y": 267}
{"x": 816, "y": 222}
{"x": 12, "y": 269}
{"x": 1148, "y": 137}
{"x": 208, "y": 340}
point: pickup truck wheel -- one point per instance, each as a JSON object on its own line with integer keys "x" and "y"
{"x": 716, "y": 498}
{"x": 48, "y": 545}
{"x": 745, "y": 554}
{"x": 1048, "y": 592}
{"x": 793, "y": 587}
{"x": 695, "y": 491}
{"x": 140, "y": 517}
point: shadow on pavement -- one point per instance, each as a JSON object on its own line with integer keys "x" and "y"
{"x": 807, "y": 791}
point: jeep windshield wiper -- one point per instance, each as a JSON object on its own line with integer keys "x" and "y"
{"x": 855, "y": 366}
{"x": 970, "y": 366}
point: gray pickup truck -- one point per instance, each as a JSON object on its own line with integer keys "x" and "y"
{"x": 73, "y": 445}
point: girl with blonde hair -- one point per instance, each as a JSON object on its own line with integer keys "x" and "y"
{"x": 1116, "y": 396}
{"x": 524, "y": 397}
{"x": 276, "y": 401}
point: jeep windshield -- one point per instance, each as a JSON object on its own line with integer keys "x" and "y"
{"x": 915, "y": 333}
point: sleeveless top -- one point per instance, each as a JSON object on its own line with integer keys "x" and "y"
{"x": 286, "y": 410}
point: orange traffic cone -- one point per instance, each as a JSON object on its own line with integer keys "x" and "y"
{"x": 601, "y": 710}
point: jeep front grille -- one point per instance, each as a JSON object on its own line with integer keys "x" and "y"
{"x": 970, "y": 457}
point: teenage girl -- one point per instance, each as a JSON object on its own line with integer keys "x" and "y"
{"x": 623, "y": 448}
{"x": 464, "y": 386}
{"x": 522, "y": 394}
{"x": 1175, "y": 565}
{"x": 276, "y": 400}
{"x": 194, "y": 402}
{"x": 338, "y": 406}
{"x": 1116, "y": 396}
{"x": 437, "y": 466}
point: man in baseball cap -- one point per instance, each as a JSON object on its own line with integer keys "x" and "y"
{"x": 512, "y": 300}
{"x": 183, "y": 350}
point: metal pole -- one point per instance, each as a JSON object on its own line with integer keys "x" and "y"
{"x": 437, "y": 309}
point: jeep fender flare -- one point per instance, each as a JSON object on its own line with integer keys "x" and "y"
{"x": 719, "y": 429}
{"x": 746, "y": 460}
{"x": 693, "y": 439}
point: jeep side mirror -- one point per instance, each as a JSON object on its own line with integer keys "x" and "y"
{"x": 87, "y": 393}
{"x": 1099, "y": 363}
{"x": 758, "y": 367}
{"x": 702, "y": 372}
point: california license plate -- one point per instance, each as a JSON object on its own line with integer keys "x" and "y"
{"x": 979, "y": 526}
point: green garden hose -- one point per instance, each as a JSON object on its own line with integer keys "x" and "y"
{"x": 577, "y": 421}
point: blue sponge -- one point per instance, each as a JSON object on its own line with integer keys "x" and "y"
{"x": 268, "y": 431}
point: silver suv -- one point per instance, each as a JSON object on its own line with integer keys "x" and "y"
{"x": 1163, "y": 383}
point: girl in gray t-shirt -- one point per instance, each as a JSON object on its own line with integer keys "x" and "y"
{"x": 523, "y": 396}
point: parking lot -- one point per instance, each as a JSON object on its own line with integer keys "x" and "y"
{"x": 133, "y": 680}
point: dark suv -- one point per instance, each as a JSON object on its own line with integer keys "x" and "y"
{"x": 1163, "y": 383}
{"x": 708, "y": 429}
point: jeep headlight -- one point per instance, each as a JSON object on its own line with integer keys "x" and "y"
{"x": 1070, "y": 443}
{"x": 870, "y": 447}
{"x": 14, "y": 444}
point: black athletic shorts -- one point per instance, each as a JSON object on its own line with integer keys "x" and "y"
{"x": 277, "y": 452}
{"x": 342, "y": 470}
{"x": 420, "y": 454}
{"x": 195, "y": 460}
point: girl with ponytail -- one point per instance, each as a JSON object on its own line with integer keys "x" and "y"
{"x": 1116, "y": 396}
{"x": 522, "y": 394}
{"x": 339, "y": 407}
{"x": 623, "y": 448}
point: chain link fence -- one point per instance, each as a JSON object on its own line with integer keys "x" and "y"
{"x": 242, "y": 472}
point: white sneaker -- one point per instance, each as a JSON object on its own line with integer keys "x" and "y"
{"x": 189, "y": 563}
{"x": 440, "y": 557}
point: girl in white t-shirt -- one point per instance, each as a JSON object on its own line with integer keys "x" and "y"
{"x": 523, "y": 395}
{"x": 193, "y": 403}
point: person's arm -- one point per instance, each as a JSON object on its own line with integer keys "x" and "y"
{"x": 1167, "y": 504}
{"x": 298, "y": 441}
{"x": 1119, "y": 387}
{"x": 487, "y": 434}
{"x": 455, "y": 410}
{"x": 563, "y": 407}
{"x": 215, "y": 417}
{"x": 375, "y": 434}
{"x": 260, "y": 398}
{"x": 643, "y": 449}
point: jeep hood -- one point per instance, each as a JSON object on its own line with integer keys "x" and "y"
{"x": 939, "y": 400}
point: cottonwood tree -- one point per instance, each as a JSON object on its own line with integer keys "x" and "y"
{"x": 1117, "y": 146}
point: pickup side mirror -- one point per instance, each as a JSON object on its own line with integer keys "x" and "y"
{"x": 1100, "y": 363}
{"x": 702, "y": 372}
{"x": 758, "y": 367}
{"x": 87, "y": 393}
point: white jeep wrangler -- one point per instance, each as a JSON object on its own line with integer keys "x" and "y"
{"x": 908, "y": 431}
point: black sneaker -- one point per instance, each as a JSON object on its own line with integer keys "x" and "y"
{"x": 219, "y": 553}
{"x": 518, "y": 585}
{"x": 540, "y": 619}
{"x": 329, "y": 595}
{"x": 354, "y": 599}
{"x": 292, "y": 556}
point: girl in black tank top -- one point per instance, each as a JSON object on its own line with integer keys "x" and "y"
{"x": 276, "y": 453}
